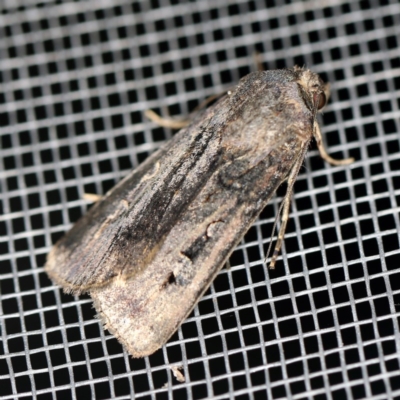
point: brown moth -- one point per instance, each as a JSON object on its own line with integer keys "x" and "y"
{"x": 149, "y": 249}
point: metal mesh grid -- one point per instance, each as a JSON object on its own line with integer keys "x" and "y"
{"x": 76, "y": 77}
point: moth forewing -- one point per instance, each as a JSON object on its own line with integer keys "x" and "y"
{"x": 122, "y": 231}
{"x": 149, "y": 250}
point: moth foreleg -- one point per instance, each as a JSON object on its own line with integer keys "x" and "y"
{"x": 324, "y": 154}
{"x": 284, "y": 209}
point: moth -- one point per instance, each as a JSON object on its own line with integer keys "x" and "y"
{"x": 149, "y": 249}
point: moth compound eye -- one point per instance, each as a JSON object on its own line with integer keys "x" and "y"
{"x": 319, "y": 100}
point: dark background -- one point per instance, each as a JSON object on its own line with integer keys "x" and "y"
{"x": 75, "y": 79}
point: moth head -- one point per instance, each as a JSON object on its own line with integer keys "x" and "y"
{"x": 314, "y": 89}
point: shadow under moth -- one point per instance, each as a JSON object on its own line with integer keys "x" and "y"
{"x": 149, "y": 249}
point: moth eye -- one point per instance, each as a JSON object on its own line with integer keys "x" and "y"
{"x": 320, "y": 100}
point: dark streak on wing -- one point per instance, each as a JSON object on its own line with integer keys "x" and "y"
{"x": 111, "y": 240}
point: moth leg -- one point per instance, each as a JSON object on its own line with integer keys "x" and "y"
{"x": 166, "y": 122}
{"x": 207, "y": 101}
{"x": 92, "y": 197}
{"x": 258, "y": 62}
{"x": 324, "y": 154}
{"x": 284, "y": 209}
{"x": 179, "y": 124}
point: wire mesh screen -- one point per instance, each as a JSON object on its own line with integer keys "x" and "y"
{"x": 76, "y": 78}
